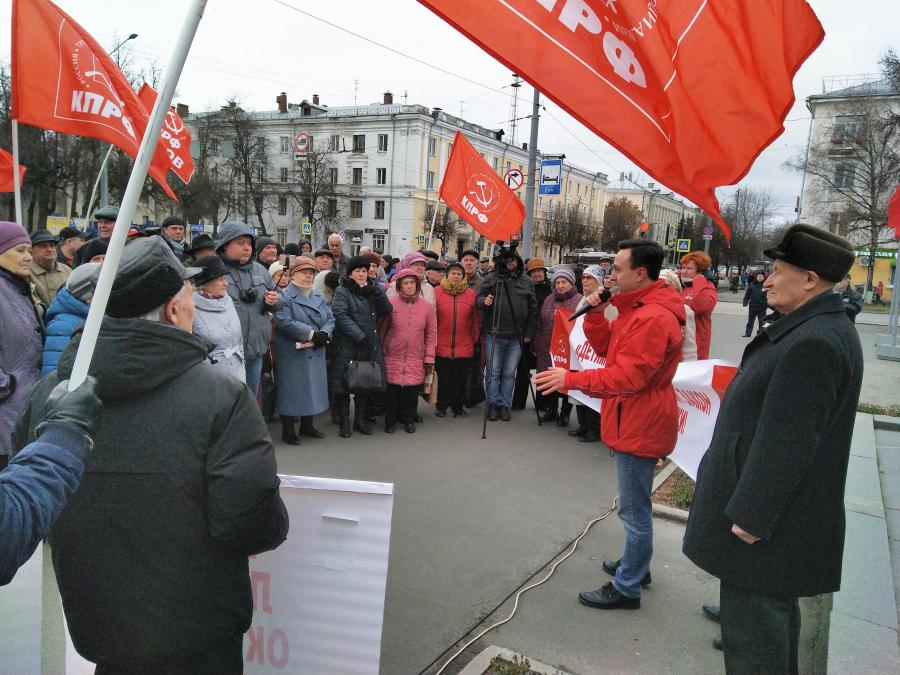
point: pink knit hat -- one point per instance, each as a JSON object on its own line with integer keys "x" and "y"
{"x": 12, "y": 234}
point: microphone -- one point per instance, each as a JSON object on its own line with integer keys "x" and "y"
{"x": 604, "y": 297}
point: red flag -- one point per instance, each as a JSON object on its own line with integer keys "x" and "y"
{"x": 560, "y": 347}
{"x": 174, "y": 148}
{"x": 6, "y": 172}
{"x": 63, "y": 80}
{"x": 690, "y": 90}
{"x": 478, "y": 195}
{"x": 894, "y": 213}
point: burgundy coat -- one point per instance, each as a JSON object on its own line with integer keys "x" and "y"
{"x": 546, "y": 317}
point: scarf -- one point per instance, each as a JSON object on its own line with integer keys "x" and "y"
{"x": 454, "y": 288}
{"x": 562, "y": 297}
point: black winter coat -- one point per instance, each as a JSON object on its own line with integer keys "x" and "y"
{"x": 356, "y": 314}
{"x": 523, "y": 315}
{"x": 181, "y": 486}
{"x": 778, "y": 459}
{"x": 755, "y": 296}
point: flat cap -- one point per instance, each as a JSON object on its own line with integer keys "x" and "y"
{"x": 43, "y": 237}
{"x": 107, "y": 213}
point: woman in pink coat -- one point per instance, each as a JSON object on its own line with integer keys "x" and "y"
{"x": 409, "y": 339}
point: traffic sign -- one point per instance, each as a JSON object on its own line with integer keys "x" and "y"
{"x": 307, "y": 229}
{"x": 514, "y": 179}
{"x": 684, "y": 246}
{"x": 708, "y": 230}
{"x": 301, "y": 142}
{"x": 707, "y": 237}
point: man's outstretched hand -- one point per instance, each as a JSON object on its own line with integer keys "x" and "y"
{"x": 80, "y": 408}
{"x": 551, "y": 380}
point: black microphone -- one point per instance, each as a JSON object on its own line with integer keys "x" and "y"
{"x": 604, "y": 296}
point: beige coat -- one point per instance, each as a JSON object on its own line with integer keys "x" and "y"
{"x": 47, "y": 283}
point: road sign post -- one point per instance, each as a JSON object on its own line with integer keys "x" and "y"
{"x": 683, "y": 246}
{"x": 514, "y": 179}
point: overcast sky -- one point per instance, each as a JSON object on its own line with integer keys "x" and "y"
{"x": 254, "y": 50}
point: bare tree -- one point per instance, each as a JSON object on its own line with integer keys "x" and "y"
{"x": 315, "y": 191}
{"x": 248, "y": 161}
{"x": 209, "y": 193}
{"x": 748, "y": 212}
{"x": 854, "y": 172}
{"x": 446, "y": 225}
{"x": 565, "y": 229}
{"x": 621, "y": 219}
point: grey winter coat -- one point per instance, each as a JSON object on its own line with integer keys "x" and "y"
{"x": 217, "y": 322}
{"x": 21, "y": 346}
{"x": 777, "y": 462}
{"x": 301, "y": 375}
{"x": 256, "y": 320}
{"x": 356, "y": 313}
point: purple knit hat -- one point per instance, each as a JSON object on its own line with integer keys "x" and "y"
{"x": 411, "y": 258}
{"x": 12, "y": 234}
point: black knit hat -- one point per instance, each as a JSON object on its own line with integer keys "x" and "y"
{"x": 356, "y": 262}
{"x": 324, "y": 251}
{"x": 93, "y": 247}
{"x": 812, "y": 248}
{"x": 173, "y": 220}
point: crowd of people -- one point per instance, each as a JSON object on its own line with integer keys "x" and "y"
{"x": 221, "y": 334}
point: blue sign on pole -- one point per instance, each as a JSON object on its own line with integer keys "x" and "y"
{"x": 551, "y": 177}
{"x": 196, "y": 228}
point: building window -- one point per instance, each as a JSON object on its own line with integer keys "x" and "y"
{"x": 378, "y": 242}
{"x": 333, "y": 176}
{"x": 449, "y": 150}
{"x": 508, "y": 165}
{"x": 285, "y": 143}
{"x": 430, "y": 182}
{"x": 381, "y": 176}
{"x": 334, "y": 143}
{"x": 359, "y": 143}
{"x": 332, "y": 208}
{"x": 496, "y": 164}
{"x": 844, "y": 176}
{"x": 432, "y": 146}
{"x": 379, "y": 209}
{"x": 281, "y": 236}
{"x": 846, "y": 129}
{"x": 357, "y": 176}
{"x": 282, "y": 206}
{"x": 356, "y": 208}
{"x": 260, "y": 174}
{"x": 382, "y": 142}
{"x": 284, "y": 174}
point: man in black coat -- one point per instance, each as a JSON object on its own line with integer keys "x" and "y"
{"x": 755, "y": 298}
{"x": 180, "y": 488}
{"x": 768, "y": 511}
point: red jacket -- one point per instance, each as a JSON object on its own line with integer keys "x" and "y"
{"x": 459, "y": 323}
{"x": 701, "y": 296}
{"x": 642, "y": 349}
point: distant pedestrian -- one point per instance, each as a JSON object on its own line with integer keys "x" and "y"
{"x": 853, "y": 301}
{"x": 755, "y": 299}
{"x": 172, "y": 232}
{"x": 70, "y": 239}
{"x": 878, "y": 293}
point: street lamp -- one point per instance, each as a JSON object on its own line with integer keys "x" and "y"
{"x": 119, "y": 46}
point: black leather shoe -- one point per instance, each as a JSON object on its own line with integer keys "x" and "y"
{"x": 717, "y": 642}
{"x": 288, "y": 435}
{"x": 460, "y": 413}
{"x": 589, "y": 437}
{"x": 504, "y": 414}
{"x": 562, "y": 421}
{"x": 610, "y": 567}
{"x": 548, "y": 416}
{"x": 409, "y": 428}
{"x": 389, "y": 428}
{"x": 608, "y": 598}
{"x": 493, "y": 413}
{"x": 712, "y": 612}
{"x": 419, "y": 419}
{"x": 311, "y": 431}
{"x": 362, "y": 427}
{"x": 440, "y": 413}
{"x": 580, "y": 431}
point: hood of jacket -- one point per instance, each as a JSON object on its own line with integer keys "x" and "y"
{"x": 658, "y": 293}
{"x": 204, "y": 304}
{"x": 133, "y": 356}
{"x": 232, "y": 229}
{"x": 66, "y": 303}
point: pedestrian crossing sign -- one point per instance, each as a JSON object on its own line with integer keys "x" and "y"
{"x": 684, "y": 245}
{"x": 307, "y": 229}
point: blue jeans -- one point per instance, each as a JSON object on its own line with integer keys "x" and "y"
{"x": 501, "y": 380}
{"x": 253, "y": 368}
{"x": 634, "y": 477}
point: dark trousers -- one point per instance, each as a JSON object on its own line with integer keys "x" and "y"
{"x": 452, "y": 377}
{"x": 400, "y": 403}
{"x": 523, "y": 377}
{"x": 754, "y": 316}
{"x": 759, "y": 634}
{"x": 226, "y": 659}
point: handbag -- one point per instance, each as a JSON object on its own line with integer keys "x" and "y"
{"x": 364, "y": 377}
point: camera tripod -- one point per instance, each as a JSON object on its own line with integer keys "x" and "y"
{"x": 500, "y": 290}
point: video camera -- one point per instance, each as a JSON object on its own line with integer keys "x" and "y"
{"x": 503, "y": 253}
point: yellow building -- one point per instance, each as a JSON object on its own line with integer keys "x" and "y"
{"x": 883, "y": 271}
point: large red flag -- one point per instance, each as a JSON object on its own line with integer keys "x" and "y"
{"x": 174, "y": 148}
{"x": 894, "y": 213}
{"x": 63, "y": 80}
{"x": 478, "y": 195}
{"x": 6, "y": 172}
{"x": 690, "y": 90}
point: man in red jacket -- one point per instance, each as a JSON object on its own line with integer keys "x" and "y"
{"x": 640, "y": 416}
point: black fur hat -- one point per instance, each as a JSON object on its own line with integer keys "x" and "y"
{"x": 815, "y": 249}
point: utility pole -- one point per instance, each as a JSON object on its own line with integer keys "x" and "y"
{"x": 532, "y": 176}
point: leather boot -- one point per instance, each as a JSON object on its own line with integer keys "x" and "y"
{"x": 582, "y": 423}
{"x": 565, "y": 411}
{"x": 361, "y": 417}
{"x": 307, "y": 428}
{"x": 288, "y": 433}
{"x": 343, "y": 407}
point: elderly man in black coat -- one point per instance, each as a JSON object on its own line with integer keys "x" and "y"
{"x": 768, "y": 512}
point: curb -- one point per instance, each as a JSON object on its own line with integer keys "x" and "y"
{"x": 670, "y": 513}
{"x": 886, "y": 423}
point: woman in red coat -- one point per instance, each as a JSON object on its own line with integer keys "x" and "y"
{"x": 700, "y": 295}
{"x": 459, "y": 324}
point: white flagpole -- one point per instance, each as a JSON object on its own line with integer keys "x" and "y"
{"x": 17, "y": 182}
{"x": 433, "y": 218}
{"x": 133, "y": 193}
{"x": 87, "y": 215}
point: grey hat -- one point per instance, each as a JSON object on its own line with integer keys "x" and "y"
{"x": 232, "y": 229}
{"x": 817, "y": 250}
{"x": 149, "y": 275}
{"x": 107, "y": 213}
{"x": 82, "y": 282}
{"x": 43, "y": 237}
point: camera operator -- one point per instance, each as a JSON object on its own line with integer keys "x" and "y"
{"x": 253, "y": 292}
{"x": 642, "y": 347}
{"x": 506, "y": 318}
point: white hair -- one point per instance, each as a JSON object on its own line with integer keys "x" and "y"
{"x": 671, "y": 278}
{"x": 335, "y": 236}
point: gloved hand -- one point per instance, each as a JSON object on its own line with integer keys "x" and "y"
{"x": 80, "y": 408}
{"x": 320, "y": 338}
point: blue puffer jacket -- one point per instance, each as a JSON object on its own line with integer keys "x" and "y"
{"x": 66, "y": 313}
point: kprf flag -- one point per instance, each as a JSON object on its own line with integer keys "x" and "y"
{"x": 6, "y": 172}
{"x": 174, "y": 148}
{"x": 894, "y": 213}
{"x": 63, "y": 80}
{"x": 699, "y": 389}
{"x": 474, "y": 191}
{"x": 689, "y": 90}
